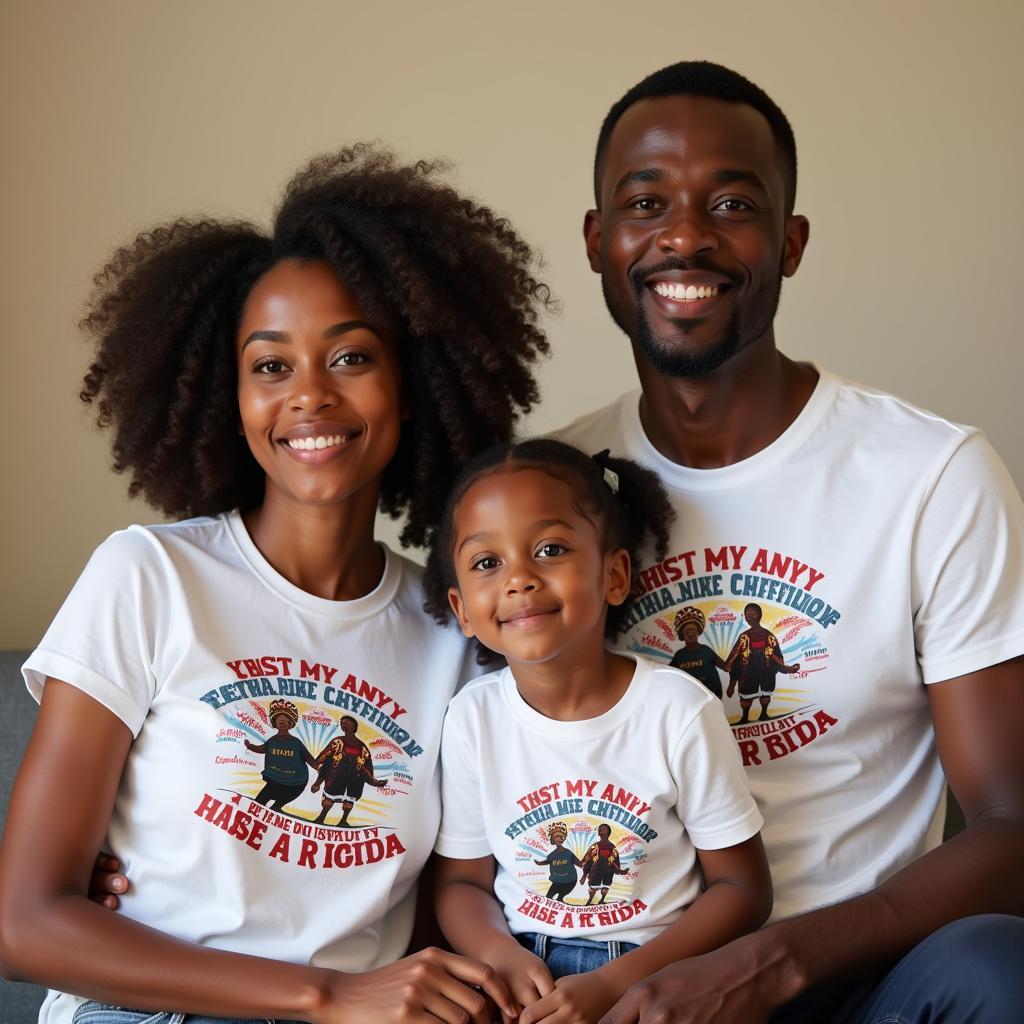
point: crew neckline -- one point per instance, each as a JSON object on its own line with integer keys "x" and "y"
{"x": 358, "y": 608}
{"x": 689, "y": 478}
{"x": 586, "y": 728}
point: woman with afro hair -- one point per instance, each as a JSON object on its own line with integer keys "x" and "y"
{"x": 272, "y": 390}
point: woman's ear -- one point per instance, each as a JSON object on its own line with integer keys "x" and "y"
{"x": 455, "y": 600}
{"x": 618, "y": 576}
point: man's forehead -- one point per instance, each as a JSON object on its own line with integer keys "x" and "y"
{"x": 673, "y": 131}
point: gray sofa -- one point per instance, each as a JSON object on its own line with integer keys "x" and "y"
{"x": 19, "y": 1003}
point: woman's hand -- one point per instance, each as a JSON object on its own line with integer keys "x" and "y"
{"x": 431, "y": 985}
{"x": 106, "y": 882}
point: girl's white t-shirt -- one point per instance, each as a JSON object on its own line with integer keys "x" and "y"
{"x": 659, "y": 769}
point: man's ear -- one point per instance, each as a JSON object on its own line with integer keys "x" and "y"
{"x": 618, "y": 576}
{"x": 455, "y": 600}
{"x": 592, "y": 236}
{"x": 798, "y": 230}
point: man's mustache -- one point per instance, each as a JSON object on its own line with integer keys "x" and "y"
{"x": 638, "y": 275}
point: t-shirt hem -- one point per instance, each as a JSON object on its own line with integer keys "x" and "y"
{"x": 720, "y": 838}
{"x": 42, "y": 663}
{"x": 939, "y": 670}
{"x": 462, "y": 849}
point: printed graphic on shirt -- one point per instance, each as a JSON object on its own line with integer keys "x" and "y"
{"x": 737, "y": 618}
{"x": 580, "y": 845}
{"x": 310, "y": 762}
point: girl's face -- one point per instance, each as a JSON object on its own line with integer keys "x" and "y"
{"x": 318, "y": 387}
{"x": 534, "y": 582}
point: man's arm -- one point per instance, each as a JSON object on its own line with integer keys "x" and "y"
{"x": 978, "y": 719}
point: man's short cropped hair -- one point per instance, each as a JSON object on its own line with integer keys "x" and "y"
{"x": 713, "y": 81}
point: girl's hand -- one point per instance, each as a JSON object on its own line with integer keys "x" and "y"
{"x": 576, "y": 999}
{"x": 526, "y": 975}
{"x": 428, "y": 986}
{"x": 106, "y": 882}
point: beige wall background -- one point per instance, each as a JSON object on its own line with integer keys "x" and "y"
{"x": 119, "y": 113}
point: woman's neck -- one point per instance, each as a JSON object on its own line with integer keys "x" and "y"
{"x": 325, "y": 550}
{"x": 574, "y": 687}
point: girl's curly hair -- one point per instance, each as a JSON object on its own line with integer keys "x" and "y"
{"x": 630, "y": 507}
{"x": 452, "y": 280}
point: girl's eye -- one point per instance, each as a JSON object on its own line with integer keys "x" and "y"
{"x": 550, "y": 550}
{"x": 351, "y": 359}
{"x": 485, "y": 563}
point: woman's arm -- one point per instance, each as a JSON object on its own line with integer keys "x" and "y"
{"x": 51, "y": 933}
{"x": 472, "y": 919}
{"x": 737, "y": 899}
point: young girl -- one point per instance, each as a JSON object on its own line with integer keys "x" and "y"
{"x": 276, "y": 387}
{"x": 626, "y": 766}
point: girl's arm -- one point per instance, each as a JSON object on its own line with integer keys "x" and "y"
{"x": 472, "y": 919}
{"x": 737, "y": 899}
{"x": 51, "y": 933}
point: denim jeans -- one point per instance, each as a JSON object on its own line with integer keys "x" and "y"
{"x": 970, "y": 972}
{"x": 104, "y": 1013}
{"x": 565, "y": 956}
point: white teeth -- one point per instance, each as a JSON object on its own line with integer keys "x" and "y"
{"x": 686, "y": 293}
{"x": 309, "y": 444}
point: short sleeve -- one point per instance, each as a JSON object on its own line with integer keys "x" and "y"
{"x": 102, "y": 639}
{"x": 462, "y": 835}
{"x": 968, "y": 566}
{"x": 714, "y": 805}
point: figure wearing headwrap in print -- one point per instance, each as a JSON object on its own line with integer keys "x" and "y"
{"x": 284, "y": 767}
{"x": 695, "y": 658}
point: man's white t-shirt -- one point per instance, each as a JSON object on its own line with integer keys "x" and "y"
{"x": 659, "y": 769}
{"x": 884, "y": 548}
{"x": 188, "y": 635}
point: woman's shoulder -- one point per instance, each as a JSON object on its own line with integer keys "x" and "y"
{"x": 141, "y": 544}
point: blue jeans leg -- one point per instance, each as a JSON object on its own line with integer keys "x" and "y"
{"x": 969, "y": 972}
{"x": 568, "y": 956}
{"x": 105, "y": 1013}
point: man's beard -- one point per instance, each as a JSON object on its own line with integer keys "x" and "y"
{"x": 671, "y": 357}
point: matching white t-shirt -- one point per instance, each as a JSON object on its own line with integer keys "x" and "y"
{"x": 884, "y": 550}
{"x": 189, "y": 636}
{"x": 882, "y": 546}
{"x": 658, "y": 770}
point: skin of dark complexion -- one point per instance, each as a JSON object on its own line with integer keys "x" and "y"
{"x": 312, "y": 369}
{"x": 693, "y": 196}
{"x": 691, "y": 193}
{"x": 534, "y": 583}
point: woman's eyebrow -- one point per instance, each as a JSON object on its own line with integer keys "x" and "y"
{"x": 332, "y": 332}
{"x": 348, "y": 325}
{"x": 265, "y": 336}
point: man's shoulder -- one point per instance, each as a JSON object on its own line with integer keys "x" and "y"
{"x": 880, "y": 411}
{"x": 614, "y": 421}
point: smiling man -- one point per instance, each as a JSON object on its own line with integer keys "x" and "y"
{"x": 884, "y": 548}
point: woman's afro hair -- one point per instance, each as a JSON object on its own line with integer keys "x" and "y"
{"x": 448, "y": 277}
